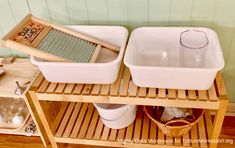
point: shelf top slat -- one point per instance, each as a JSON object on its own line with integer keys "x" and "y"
{"x": 123, "y": 90}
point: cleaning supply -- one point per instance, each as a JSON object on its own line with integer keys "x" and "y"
{"x": 54, "y": 43}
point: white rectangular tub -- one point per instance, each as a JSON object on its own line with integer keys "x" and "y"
{"x": 156, "y": 59}
{"x": 104, "y": 71}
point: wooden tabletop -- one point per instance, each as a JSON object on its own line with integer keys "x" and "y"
{"x": 22, "y": 70}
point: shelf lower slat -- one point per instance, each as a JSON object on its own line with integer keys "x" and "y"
{"x": 90, "y": 130}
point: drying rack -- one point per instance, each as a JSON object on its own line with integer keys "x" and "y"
{"x": 68, "y": 116}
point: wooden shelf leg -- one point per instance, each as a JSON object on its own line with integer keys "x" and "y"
{"x": 42, "y": 117}
{"x": 36, "y": 120}
{"x": 218, "y": 120}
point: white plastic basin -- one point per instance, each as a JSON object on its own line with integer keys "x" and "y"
{"x": 116, "y": 116}
{"x": 104, "y": 71}
{"x": 156, "y": 59}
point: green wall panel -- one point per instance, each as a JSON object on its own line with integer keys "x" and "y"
{"x": 40, "y": 9}
{"x": 4, "y": 51}
{"x": 58, "y": 11}
{"x": 159, "y": 12}
{"x": 216, "y": 14}
{"x": 229, "y": 72}
{"x": 180, "y": 12}
{"x": 203, "y": 12}
{"x": 138, "y": 13}
{"x": 8, "y": 12}
{"x": 6, "y": 17}
{"x": 117, "y": 12}
{"x": 77, "y": 11}
{"x": 19, "y": 9}
{"x": 97, "y": 12}
{"x": 224, "y": 23}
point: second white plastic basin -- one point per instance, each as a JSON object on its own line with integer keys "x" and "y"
{"x": 156, "y": 59}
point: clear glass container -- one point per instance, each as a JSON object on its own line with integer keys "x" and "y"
{"x": 193, "y": 45}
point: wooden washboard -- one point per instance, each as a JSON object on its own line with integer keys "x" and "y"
{"x": 53, "y": 43}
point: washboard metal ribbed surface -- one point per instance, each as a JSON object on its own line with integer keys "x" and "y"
{"x": 54, "y": 43}
{"x": 67, "y": 46}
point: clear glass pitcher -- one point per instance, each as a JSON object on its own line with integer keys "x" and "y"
{"x": 193, "y": 45}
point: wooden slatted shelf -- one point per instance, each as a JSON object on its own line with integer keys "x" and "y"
{"x": 82, "y": 124}
{"x": 79, "y": 123}
{"x": 124, "y": 91}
